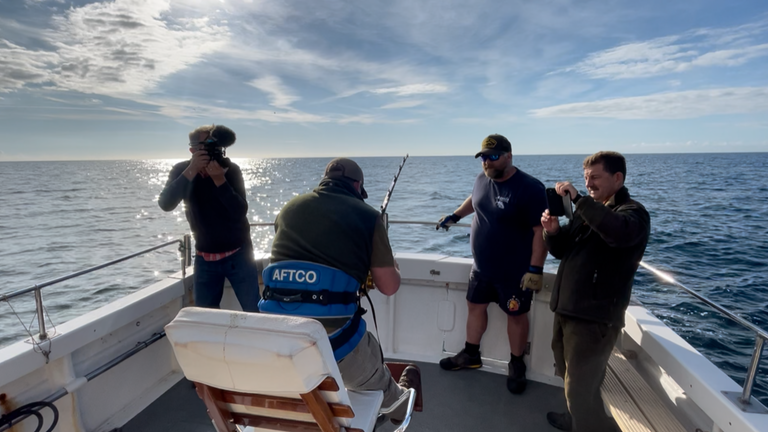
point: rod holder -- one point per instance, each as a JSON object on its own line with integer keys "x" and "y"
{"x": 187, "y": 250}
{"x": 752, "y": 372}
{"x": 40, "y": 314}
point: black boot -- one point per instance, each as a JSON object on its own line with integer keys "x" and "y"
{"x": 562, "y": 421}
{"x": 516, "y": 381}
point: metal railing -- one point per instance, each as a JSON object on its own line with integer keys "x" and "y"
{"x": 742, "y": 400}
{"x": 184, "y": 243}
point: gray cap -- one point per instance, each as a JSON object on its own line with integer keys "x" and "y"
{"x": 347, "y": 169}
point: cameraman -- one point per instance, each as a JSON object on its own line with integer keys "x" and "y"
{"x": 599, "y": 251}
{"x": 213, "y": 191}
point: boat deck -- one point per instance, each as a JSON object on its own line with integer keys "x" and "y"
{"x": 453, "y": 401}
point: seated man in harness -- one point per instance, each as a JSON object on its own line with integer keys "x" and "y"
{"x": 326, "y": 242}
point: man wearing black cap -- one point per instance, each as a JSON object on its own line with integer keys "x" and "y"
{"x": 213, "y": 192}
{"x": 330, "y": 239}
{"x": 508, "y": 250}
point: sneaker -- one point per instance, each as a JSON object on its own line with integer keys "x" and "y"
{"x": 462, "y": 360}
{"x": 410, "y": 379}
{"x": 562, "y": 421}
{"x": 516, "y": 381}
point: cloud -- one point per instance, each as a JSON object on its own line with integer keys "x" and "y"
{"x": 727, "y": 47}
{"x": 188, "y": 110}
{"x": 120, "y": 48}
{"x": 412, "y": 89}
{"x": 280, "y": 95}
{"x": 403, "y": 104}
{"x": 677, "y": 105}
{"x": 19, "y": 66}
{"x": 76, "y": 101}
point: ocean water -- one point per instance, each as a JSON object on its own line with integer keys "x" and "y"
{"x": 709, "y": 229}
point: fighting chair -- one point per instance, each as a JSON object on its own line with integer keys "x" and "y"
{"x": 270, "y": 373}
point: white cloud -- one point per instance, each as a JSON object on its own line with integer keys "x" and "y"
{"x": 678, "y": 105}
{"x": 127, "y": 47}
{"x": 185, "y": 110}
{"x": 672, "y": 54}
{"x": 19, "y": 66}
{"x": 280, "y": 95}
{"x": 403, "y": 104}
{"x": 412, "y": 89}
{"x": 120, "y": 48}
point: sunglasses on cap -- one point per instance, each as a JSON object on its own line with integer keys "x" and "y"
{"x": 492, "y": 158}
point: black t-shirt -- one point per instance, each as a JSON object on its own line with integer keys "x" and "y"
{"x": 502, "y": 229}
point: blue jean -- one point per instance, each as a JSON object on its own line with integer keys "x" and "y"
{"x": 239, "y": 268}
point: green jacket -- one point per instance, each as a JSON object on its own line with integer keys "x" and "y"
{"x": 331, "y": 225}
{"x": 599, "y": 252}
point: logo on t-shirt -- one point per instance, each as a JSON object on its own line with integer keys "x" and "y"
{"x": 500, "y": 201}
{"x": 513, "y": 304}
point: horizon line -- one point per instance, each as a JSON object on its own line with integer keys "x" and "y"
{"x": 370, "y": 157}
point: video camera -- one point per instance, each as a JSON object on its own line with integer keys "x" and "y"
{"x": 216, "y": 153}
{"x": 219, "y": 138}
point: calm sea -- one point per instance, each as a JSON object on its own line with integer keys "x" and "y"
{"x": 709, "y": 229}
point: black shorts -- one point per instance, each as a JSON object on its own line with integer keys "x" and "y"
{"x": 512, "y": 299}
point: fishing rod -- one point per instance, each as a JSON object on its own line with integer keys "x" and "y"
{"x": 384, "y": 218}
{"x": 388, "y": 196}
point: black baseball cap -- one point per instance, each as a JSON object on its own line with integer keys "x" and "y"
{"x": 346, "y": 169}
{"x": 495, "y": 144}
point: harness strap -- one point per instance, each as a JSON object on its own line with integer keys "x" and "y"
{"x": 322, "y": 297}
{"x": 342, "y": 337}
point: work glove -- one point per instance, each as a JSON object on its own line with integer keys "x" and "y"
{"x": 533, "y": 279}
{"x": 446, "y": 221}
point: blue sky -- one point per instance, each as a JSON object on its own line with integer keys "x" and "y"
{"x": 128, "y": 79}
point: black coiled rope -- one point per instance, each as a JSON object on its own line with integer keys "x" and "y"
{"x": 30, "y": 409}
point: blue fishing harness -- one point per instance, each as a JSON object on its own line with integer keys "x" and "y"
{"x": 312, "y": 290}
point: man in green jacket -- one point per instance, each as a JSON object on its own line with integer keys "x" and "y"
{"x": 335, "y": 235}
{"x": 599, "y": 252}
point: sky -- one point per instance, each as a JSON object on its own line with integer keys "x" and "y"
{"x": 129, "y": 79}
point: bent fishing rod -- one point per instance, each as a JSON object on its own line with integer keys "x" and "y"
{"x": 388, "y": 196}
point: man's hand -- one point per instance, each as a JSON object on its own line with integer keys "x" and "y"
{"x": 550, "y": 223}
{"x": 199, "y": 162}
{"x": 565, "y": 187}
{"x": 446, "y": 221}
{"x": 216, "y": 172}
{"x": 533, "y": 279}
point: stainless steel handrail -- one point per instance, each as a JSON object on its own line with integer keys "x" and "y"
{"x": 82, "y": 272}
{"x": 760, "y": 334}
{"x": 184, "y": 246}
{"x": 668, "y": 278}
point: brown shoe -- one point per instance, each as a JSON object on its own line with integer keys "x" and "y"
{"x": 410, "y": 379}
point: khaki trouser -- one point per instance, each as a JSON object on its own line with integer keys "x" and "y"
{"x": 362, "y": 369}
{"x": 582, "y": 349}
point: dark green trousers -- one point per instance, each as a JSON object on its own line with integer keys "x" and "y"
{"x": 582, "y": 349}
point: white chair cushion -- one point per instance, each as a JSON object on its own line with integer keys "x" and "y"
{"x": 250, "y": 352}
{"x": 264, "y": 354}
